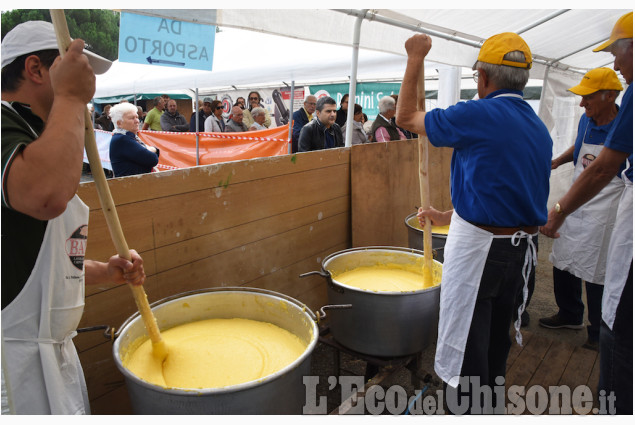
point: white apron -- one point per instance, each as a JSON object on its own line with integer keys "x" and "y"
{"x": 40, "y": 365}
{"x": 465, "y": 253}
{"x": 584, "y": 238}
{"x": 620, "y": 254}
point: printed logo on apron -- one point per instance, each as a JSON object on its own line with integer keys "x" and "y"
{"x": 587, "y": 160}
{"x": 76, "y": 246}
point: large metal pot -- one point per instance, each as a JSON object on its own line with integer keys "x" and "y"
{"x": 385, "y": 324}
{"x": 280, "y": 393}
{"x": 415, "y": 237}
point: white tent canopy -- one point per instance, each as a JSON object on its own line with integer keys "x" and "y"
{"x": 561, "y": 42}
{"x": 237, "y": 62}
{"x": 560, "y": 38}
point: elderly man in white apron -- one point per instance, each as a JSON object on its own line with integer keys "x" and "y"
{"x": 581, "y": 250}
{"x": 616, "y": 332}
{"x": 44, "y": 223}
{"x": 500, "y": 183}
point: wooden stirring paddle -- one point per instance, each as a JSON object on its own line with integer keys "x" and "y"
{"x": 159, "y": 348}
{"x": 424, "y": 187}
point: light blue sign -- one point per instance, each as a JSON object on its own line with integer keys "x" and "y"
{"x": 165, "y": 42}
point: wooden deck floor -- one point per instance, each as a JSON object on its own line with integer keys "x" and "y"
{"x": 547, "y": 363}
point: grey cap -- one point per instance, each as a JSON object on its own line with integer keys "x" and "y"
{"x": 33, "y": 36}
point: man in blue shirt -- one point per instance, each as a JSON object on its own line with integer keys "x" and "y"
{"x": 500, "y": 183}
{"x": 580, "y": 252}
{"x": 616, "y": 332}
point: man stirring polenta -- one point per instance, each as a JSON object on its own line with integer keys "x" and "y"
{"x": 500, "y": 184}
{"x": 44, "y": 223}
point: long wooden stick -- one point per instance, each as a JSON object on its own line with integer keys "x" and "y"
{"x": 105, "y": 198}
{"x": 424, "y": 186}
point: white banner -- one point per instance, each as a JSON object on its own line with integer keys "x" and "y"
{"x": 103, "y": 146}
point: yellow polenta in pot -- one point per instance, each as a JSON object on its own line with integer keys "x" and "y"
{"x": 215, "y": 353}
{"x": 389, "y": 277}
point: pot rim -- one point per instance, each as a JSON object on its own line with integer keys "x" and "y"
{"x": 377, "y": 248}
{"x": 227, "y": 389}
{"x": 436, "y": 235}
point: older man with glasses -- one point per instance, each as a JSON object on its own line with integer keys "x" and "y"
{"x": 235, "y": 124}
{"x": 616, "y": 330}
{"x": 500, "y": 184}
{"x": 301, "y": 117}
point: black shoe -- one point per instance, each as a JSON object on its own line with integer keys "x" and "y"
{"x": 555, "y": 322}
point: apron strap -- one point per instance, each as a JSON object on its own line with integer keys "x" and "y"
{"x": 530, "y": 261}
{"x": 66, "y": 350}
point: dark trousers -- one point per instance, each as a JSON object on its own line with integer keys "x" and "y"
{"x": 616, "y": 353}
{"x": 488, "y": 341}
{"x": 568, "y": 291}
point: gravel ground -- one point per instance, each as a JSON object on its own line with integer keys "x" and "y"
{"x": 542, "y": 305}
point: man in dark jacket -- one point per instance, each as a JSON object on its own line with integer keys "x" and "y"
{"x": 203, "y": 113}
{"x": 322, "y": 132}
{"x": 302, "y": 117}
{"x": 172, "y": 120}
{"x": 104, "y": 120}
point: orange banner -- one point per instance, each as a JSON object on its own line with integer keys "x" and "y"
{"x": 178, "y": 150}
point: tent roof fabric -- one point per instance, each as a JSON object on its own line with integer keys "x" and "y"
{"x": 561, "y": 38}
{"x": 565, "y": 37}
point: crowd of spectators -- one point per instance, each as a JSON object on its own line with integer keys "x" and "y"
{"x": 251, "y": 115}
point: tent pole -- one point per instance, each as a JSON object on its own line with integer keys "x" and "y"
{"x": 353, "y": 79}
{"x": 395, "y": 23}
{"x": 291, "y": 115}
{"x": 196, "y": 112}
{"x": 542, "y": 21}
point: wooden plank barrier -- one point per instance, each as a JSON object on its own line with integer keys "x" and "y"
{"x": 256, "y": 223}
{"x": 385, "y": 189}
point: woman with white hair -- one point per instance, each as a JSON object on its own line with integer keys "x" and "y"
{"x": 128, "y": 155}
{"x": 259, "y": 115}
{"x": 383, "y": 130}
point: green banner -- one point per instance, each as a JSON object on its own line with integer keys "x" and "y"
{"x": 367, "y": 95}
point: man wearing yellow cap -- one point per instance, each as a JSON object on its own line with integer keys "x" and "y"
{"x": 616, "y": 331}
{"x": 580, "y": 251}
{"x": 500, "y": 183}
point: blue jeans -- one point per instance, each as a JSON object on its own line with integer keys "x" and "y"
{"x": 568, "y": 292}
{"x": 616, "y": 353}
{"x": 488, "y": 341}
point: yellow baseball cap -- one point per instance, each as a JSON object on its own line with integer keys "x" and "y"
{"x": 623, "y": 29}
{"x": 497, "y": 46}
{"x": 597, "y": 79}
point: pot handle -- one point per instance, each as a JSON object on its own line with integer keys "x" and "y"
{"x": 323, "y": 274}
{"x": 321, "y": 314}
{"x": 109, "y": 333}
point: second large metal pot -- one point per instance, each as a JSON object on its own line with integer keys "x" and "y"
{"x": 415, "y": 237}
{"x": 385, "y": 324}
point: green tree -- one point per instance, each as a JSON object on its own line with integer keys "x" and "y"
{"x": 99, "y": 28}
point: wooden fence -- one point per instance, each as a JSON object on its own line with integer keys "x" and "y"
{"x": 256, "y": 223}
